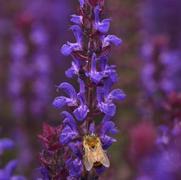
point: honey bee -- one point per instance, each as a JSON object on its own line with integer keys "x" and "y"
{"x": 94, "y": 154}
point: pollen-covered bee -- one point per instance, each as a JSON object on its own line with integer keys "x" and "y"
{"x": 94, "y": 154}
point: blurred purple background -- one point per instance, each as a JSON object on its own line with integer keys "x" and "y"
{"x": 149, "y": 68}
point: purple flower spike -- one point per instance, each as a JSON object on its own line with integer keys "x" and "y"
{"x": 81, "y": 134}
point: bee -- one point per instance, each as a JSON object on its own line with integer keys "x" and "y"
{"x": 94, "y": 155}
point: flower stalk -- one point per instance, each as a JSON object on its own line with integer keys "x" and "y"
{"x": 87, "y": 122}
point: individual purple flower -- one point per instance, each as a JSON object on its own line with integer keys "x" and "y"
{"x": 73, "y": 70}
{"x": 82, "y": 2}
{"x": 105, "y": 99}
{"x": 101, "y": 26}
{"x": 75, "y": 167}
{"x": 95, "y": 75}
{"x": 109, "y": 40}
{"x": 76, "y": 19}
{"x": 106, "y": 71}
{"x": 68, "y": 48}
{"x": 61, "y": 101}
{"x": 82, "y": 110}
{"x": 107, "y": 128}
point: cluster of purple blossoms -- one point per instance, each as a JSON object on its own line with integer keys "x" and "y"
{"x": 87, "y": 125}
{"x": 6, "y": 172}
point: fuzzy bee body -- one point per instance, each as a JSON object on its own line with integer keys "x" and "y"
{"x": 94, "y": 154}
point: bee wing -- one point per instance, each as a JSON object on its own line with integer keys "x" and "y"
{"x": 88, "y": 162}
{"x": 104, "y": 159}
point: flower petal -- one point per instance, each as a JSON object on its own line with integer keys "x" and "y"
{"x": 76, "y": 19}
{"x": 117, "y": 94}
{"x": 73, "y": 70}
{"x": 75, "y": 167}
{"x": 108, "y": 127}
{"x": 76, "y": 148}
{"x": 107, "y": 108}
{"x": 111, "y": 39}
{"x": 10, "y": 167}
{"x": 66, "y": 49}
{"x": 69, "y": 120}
{"x": 68, "y": 89}
{"x": 107, "y": 141}
{"x": 82, "y": 2}
{"x": 81, "y": 112}
{"x": 5, "y": 144}
{"x": 103, "y": 26}
{"x": 67, "y": 135}
{"x": 77, "y": 31}
{"x": 92, "y": 128}
{"x": 59, "y": 102}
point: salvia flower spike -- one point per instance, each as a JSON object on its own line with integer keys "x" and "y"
{"x": 87, "y": 122}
